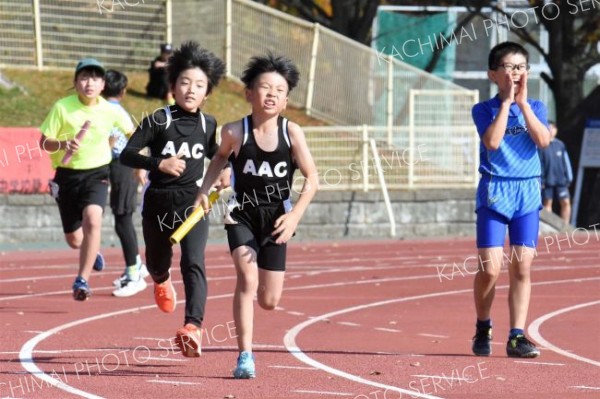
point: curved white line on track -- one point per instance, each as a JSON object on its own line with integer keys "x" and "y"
{"x": 289, "y": 341}
{"x": 534, "y": 332}
{"x": 290, "y": 338}
{"x": 26, "y": 352}
{"x": 39, "y": 278}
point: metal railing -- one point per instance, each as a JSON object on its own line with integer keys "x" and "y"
{"x": 369, "y": 95}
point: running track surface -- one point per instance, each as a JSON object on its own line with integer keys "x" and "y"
{"x": 369, "y": 319}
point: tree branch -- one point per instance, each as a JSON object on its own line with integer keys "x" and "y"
{"x": 367, "y": 21}
{"x": 521, "y": 33}
{"x": 307, "y": 10}
{"x": 549, "y": 81}
{"x": 435, "y": 57}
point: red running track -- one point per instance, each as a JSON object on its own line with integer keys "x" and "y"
{"x": 368, "y": 319}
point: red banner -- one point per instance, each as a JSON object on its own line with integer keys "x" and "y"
{"x": 25, "y": 167}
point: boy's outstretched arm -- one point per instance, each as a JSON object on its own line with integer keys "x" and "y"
{"x": 229, "y": 139}
{"x": 286, "y": 224}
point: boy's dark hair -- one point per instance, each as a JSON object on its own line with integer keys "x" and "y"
{"x": 271, "y": 63}
{"x": 501, "y": 50}
{"x": 191, "y": 55}
{"x": 115, "y": 83}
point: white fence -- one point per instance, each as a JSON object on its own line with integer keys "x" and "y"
{"x": 342, "y": 82}
{"x": 430, "y": 152}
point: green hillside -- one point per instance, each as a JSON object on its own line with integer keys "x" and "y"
{"x": 42, "y": 89}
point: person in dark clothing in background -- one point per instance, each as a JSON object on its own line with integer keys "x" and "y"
{"x": 158, "y": 83}
{"x": 557, "y": 175}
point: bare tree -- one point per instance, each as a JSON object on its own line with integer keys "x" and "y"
{"x": 351, "y": 18}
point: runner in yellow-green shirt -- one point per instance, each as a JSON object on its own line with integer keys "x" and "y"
{"x": 80, "y": 184}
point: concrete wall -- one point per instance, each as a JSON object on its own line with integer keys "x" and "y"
{"x": 332, "y": 215}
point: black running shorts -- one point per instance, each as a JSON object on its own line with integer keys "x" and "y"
{"x": 76, "y": 189}
{"x": 254, "y": 229}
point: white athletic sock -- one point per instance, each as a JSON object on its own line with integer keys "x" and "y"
{"x": 133, "y": 272}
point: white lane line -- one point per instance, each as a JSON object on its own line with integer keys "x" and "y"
{"x": 33, "y": 279}
{"x": 267, "y": 346}
{"x": 540, "y": 363}
{"x": 59, "y": 351}
{"x": 348, "y": 323}
{"x": 293, "y": 367}
{"x": 235, "y": 348}
{"x": 387, "y": 329}
{"x": 221, "y": 348}
{"x": 33, "y": 295}
{"x": 94, "y": 289}
{"x": 174, "y": 382}
{"x": 443, "y": 377}
{"x": 534, "y": 332}
{"x": 296, "y": 313}
{"x": 26, "y": 353}
{"x": 585, "y": 387}
{"x": 74, "y": 266}
{"x": 18, "y": 267}
{"x": 341, "y": 284}
{"x": 290, "y": 337}
{"x": 290, "y": 342}
{"x": 165, "y": 359}
{"x": 324, "y": 392}
{"x": 321, "y": 263}
{"x": 27, "y": 296}
{"x": 290, "y": 274}
{"x": 433, "y": 335}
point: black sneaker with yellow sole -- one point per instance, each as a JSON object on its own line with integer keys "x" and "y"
{"x": 520, "y": 346}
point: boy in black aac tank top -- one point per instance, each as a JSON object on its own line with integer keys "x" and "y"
{"x": 263, "y": 149}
